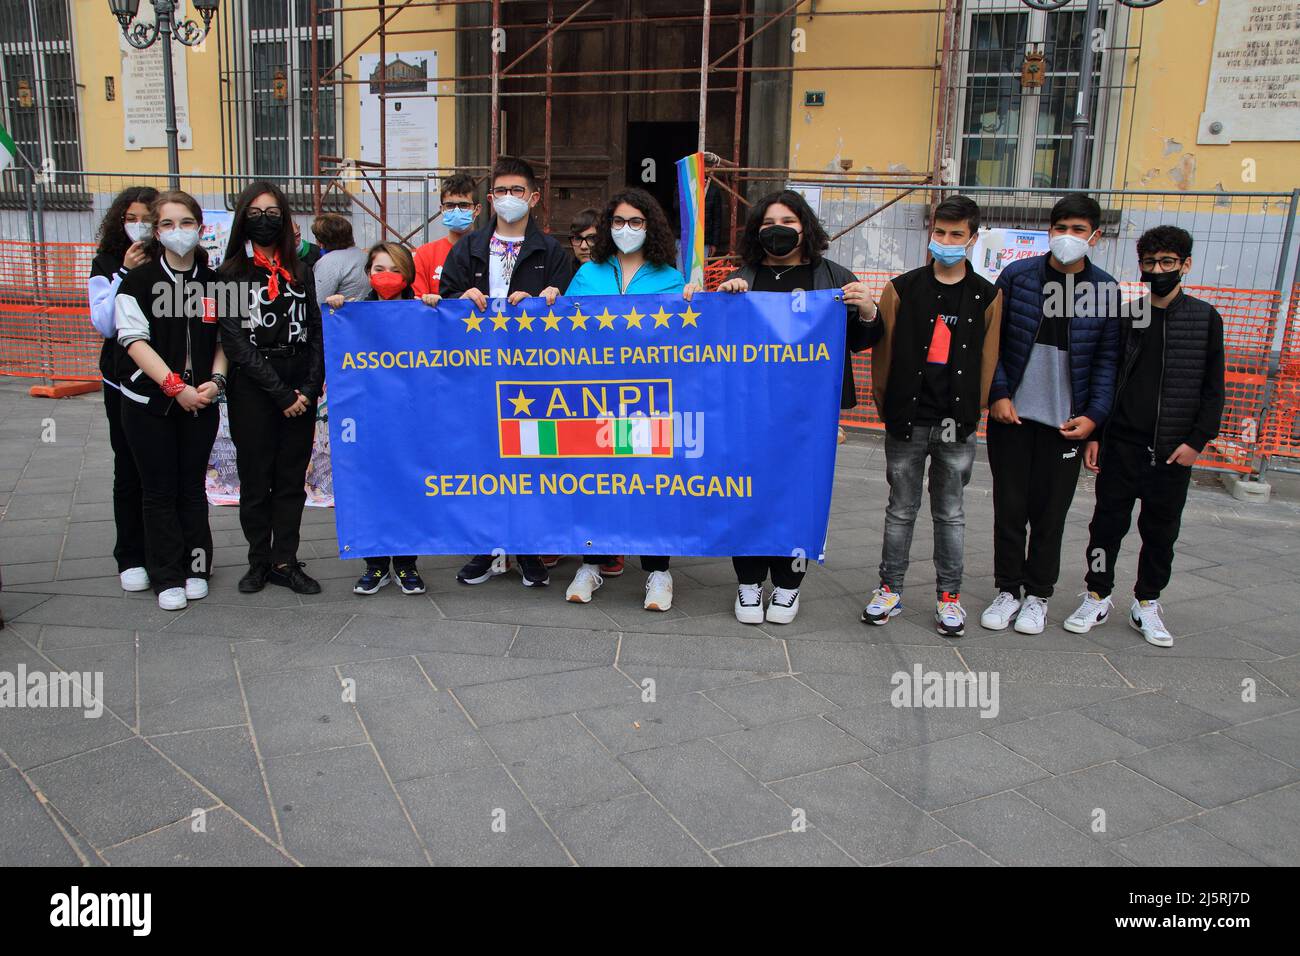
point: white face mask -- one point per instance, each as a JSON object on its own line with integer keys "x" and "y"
{"x": 1068, "y": 249}
{"x": 139, "y": 231}
{"x": 509, "y": 208}
{"x": 180, "y": 241}
{"x": 627, "y": 239}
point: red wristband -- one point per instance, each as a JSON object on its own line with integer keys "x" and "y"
{"x": 173, "y": 385}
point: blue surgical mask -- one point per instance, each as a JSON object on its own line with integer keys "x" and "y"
{"x": 948, "y": 255}
{"x": 457, "y": 220}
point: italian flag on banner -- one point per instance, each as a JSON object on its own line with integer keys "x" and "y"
{"x": 7, "y": 149}
{"x": 586, "y": 437}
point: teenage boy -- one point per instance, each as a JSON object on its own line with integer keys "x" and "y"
{"x": 1052, "y": 389}
{"x": 459, "y": 210}
{"x": 931, "y": 373}
{"x": 510, "y": 258}
{"x": 1167, "y": 408}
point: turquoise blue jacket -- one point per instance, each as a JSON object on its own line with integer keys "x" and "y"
{"x": 606, "y": 278}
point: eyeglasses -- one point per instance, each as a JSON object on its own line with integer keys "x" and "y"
{"x": 636, "y": 222}
{"x": 584, "y": 240}
{"x": 462, "y": 206}
{"x": 255, "y": 213}
{"x": 1164, "y": 262}
{"x": 501, "y": 192}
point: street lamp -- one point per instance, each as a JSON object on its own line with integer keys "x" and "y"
{"x": 1083, "y": 99}
{"x": 165, "y": 25}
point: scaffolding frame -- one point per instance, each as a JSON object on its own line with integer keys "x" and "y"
{"x": 386, "y": 12}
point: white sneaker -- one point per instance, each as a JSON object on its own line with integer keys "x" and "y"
{"x": 1001, "y": 612}
{"x": 585, "y": 583}
{"x": 749, "y": 604}
{"x": 659, "y": 591}
{"x": 173, "y": 599}
{"x": 1033, "y": 615}
{"x": 1093, "y": 611}
{"x": 783, "y": 606}
{"x": 196, "y": 588}
{"x": 134, "y": 579}
{"x": 1144, "y": 616}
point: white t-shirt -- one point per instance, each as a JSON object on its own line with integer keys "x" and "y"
{"x": 503, "y": 253}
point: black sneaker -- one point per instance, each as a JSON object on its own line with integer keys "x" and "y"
{"x": 481, "y": 567}
{"x": 371, "y": 581}
{"x": 255, "y": 579}
{"x": 293, "y": 578}
{"x": 533, "y": 571}
{"x": 409, "y": 580}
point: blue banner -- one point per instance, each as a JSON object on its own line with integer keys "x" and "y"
{"x": 637, "y": 424}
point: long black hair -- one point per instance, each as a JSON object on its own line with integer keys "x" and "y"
{"x": 238, "y": 263}
{"x": 112, "y": 237}
{"x": 660, "y": 247}
{"x": 815, "y": 239}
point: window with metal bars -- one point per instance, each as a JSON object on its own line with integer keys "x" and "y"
{"x": 38, "y": 94}
{"x": 1012, "y": 132}
{"x": 266, "y": 83}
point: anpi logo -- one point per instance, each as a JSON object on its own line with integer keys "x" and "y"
{"x": 74, "y": 909}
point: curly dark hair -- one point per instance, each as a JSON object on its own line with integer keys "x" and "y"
{"x": 815, "y": 239}
{"x": 112, "y": 237}
{"x": 660, "y": 247}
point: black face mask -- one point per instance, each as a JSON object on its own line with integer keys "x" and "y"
{"x": 264, "y": 231}
{"x": 779, "y": 241}
{"x": 1162, "y": 283}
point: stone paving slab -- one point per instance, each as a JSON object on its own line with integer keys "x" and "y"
{"x": 499, "y": 725}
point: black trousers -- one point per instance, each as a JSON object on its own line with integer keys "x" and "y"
{"x": 271, "y": 455}
{"x": 128, "y": 510}
{"x": 754, "y": 570}
{"x": 1035, "y": 472}
{"x": 171, "y": 452}
{"x": 399, "y": 562}
{"x": 1128, "y": 475}
{"x": 649, "y": 563}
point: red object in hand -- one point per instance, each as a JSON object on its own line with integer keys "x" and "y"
{"x": 173, "y": 385}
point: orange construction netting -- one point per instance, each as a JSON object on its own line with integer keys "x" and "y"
{"x": 45, "y": 329}
{"x": 1280, "y": 433}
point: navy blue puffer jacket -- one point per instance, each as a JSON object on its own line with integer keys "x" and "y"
{"x": 1094, "y": 335}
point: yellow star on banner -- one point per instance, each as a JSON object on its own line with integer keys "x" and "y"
{"x": 578, "y": 319}
{"x": 525, "y": 321}
{"x": 634, "y": 318}
{"x": 689, "y": 316}
{"x": 521, "y": 403}
{"x": 606, "y": 319}
{"x": 552, "y": 321}
{"x": 661, "y": 318}
{"x": 474, "y": 323}
{"x": 500, "y": 321}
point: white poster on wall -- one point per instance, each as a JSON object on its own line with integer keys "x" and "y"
{"x": 215, "y": 234}
{"x": 144, "y": 105}
{"x": 410, "y": 120}
{"x": 995, "y": 249}
{"x": 1254, "y": 88}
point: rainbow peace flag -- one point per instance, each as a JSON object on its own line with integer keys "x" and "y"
{"x": 690, "y": 199}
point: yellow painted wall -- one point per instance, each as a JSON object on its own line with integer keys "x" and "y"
{"x": 95, "y": 42}
{"x": 879, "y": 119}
{"x": 1172, "y": 69}
{"x": 885, "y": 120}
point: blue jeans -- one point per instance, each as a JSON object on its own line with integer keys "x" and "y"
{"x": 950, "y": 470}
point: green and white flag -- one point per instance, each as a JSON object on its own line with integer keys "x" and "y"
{"x": 8, "y": 151}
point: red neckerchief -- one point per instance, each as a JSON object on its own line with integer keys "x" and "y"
{"x": 274, "y": 270}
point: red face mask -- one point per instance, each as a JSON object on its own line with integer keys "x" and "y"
{"x": 387, "y": 284}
